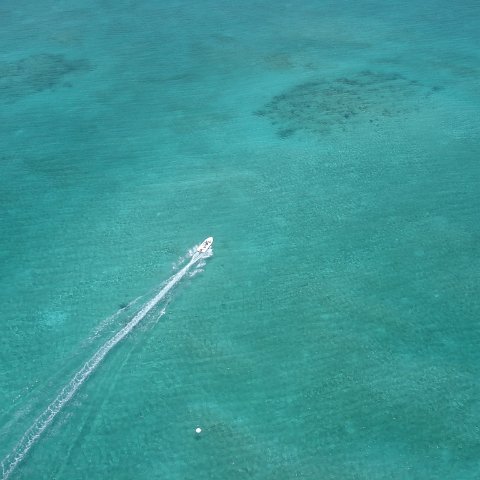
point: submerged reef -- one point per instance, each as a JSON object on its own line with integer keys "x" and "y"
{"x": 319, "y": 106}
{"x": 35, "y": 74}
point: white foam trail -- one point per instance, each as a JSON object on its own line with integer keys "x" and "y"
{"x": 180, "y": 260}
{"x": 31, "y": 389}
{"x": 30, "y": 437}
{"x": 109, "y": 320}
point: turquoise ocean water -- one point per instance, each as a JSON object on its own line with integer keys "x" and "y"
{"x": 331, "y": 148}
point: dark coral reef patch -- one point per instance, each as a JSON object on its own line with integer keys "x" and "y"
{"x": 319, "y": 106}
{"x": 35, "y": 74}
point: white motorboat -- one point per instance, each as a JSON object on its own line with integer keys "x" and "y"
{"x": 205, "y": 245}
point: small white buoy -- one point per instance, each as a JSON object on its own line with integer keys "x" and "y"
{"x": 198, "y": 430}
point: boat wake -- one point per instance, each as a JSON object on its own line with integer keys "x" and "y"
{"x": 33, "y": 433}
